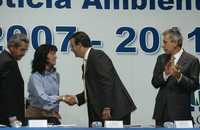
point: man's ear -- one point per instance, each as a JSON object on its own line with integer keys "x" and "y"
{"x": 79, "y": 44}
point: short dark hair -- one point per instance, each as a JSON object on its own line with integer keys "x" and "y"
{"x": 40, "y": 57}
{"x": 81, "y": 38}
{"x": 17, "y": 39}
{"x": 175, "y": 35}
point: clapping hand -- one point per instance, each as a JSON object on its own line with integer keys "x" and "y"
{"x": 176, "y": 71}
{"x": 173, "y": 70}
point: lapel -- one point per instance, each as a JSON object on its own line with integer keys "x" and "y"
{"x": 183, "y": 59}
{"x": 181, "y": 62}
{"x": 19, "y": 73}
{"x": 90, "y": 56}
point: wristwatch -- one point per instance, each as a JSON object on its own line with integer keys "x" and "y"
{"x": 63, "y": 98}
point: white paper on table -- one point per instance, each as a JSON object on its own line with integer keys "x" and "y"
{"x": 37, "y": 123}
{"x": 113, "y": 124}
{"x": 183, "y": 124}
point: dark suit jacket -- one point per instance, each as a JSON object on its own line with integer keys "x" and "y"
{"x": 104, "y": 87}
{"x": 11, "y": 89}
{"x": 173, "y": 99}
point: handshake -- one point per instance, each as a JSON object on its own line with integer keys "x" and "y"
{"x": 68, "y": 99}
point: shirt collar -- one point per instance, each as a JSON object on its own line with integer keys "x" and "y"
{"x": 178, "y": 55}
{"x": 87, "y": 54}
{"x": 46, "y": 72}
{"x": 8, "y": 50}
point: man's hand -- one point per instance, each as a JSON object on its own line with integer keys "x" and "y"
{"x": 173, "y": 70}
{"x": 56, "y": 114}
{"x": 167, "y": 68}
{"x": 106, "y": 113}
{"x": 176, "y": 71}
{"x": 70, "y": 99}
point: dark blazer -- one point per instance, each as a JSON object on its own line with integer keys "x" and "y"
{"x": 173, "y": 99}
{"x": 104, "y": 87}
{"x": 11, "y": 89}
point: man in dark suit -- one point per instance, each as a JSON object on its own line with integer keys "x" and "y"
{"x": 105, "y": 94}
{"x": 11, "y": 81}
{"x": 176, "y": 74}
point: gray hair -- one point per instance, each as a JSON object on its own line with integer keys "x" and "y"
{"x": 174, "y": 35}
{"x": 17, "y": 39}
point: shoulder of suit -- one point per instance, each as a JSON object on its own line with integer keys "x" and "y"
{"x": 189, "y": 56}
{"x": 5, "y": 56}
{"x": 5, "y": 59}
{"x": 162, "y": 55}
{"x": 97, "y": 52}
